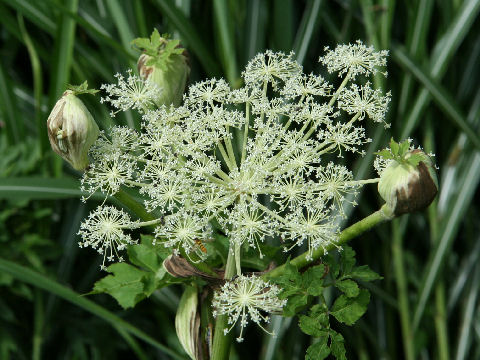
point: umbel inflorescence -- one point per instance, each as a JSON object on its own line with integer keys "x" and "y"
{"x": 250, "y": 159}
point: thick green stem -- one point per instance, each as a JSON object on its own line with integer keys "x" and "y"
{"x": 221, "y": 342}
{"x": 128, "y": 201}
{"x": 379, "y": 216}
{"x": 245, "y": 132}
{"x": 402, "y": 293}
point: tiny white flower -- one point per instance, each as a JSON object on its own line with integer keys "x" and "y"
{"x": 354, "y": 58}
{"x": 314, "y": 226}
{"x": 103, "y": 230}
{"x": 364, "y": 100}
{"x": 311, "y": 85}
{"x": 131, "y": 93}
{"x": 245, "y": 298}
{"x": 107, "y": 174}
{"x": 270, "y": 67}
{"x": 183, "y": 229}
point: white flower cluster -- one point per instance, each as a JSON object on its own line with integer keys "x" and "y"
{"x": 244, "y": 298}
{"x": 103, "y": 230}
{"x": 253, "y": 159}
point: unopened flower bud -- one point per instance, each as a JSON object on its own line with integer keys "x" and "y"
{"x": 166, "y": 64}
{"x": 187, "y": 323}
{"x": 409, "y": 185}
{"x": 72, "y": 130}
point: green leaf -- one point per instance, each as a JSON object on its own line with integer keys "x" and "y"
{"x": 82, "y": 89}
{"x": 347, "y": 259}
{"x": 337, "y": 345}
{"x": 126, "y": 284}
{"x": 313, "y": 279}
{"x": 386, "y": 154}
{"x": 404, "y": 146}
{"x": 320, "y": 313}
{"x": 364, "y": 273}
{"x": 348, "y": 287}
{"x": 295, "y": 304}
{"x": 415, "y": 159}
{"x": 311, "y": 326}
{"x": 318, "y": 351}
{"x": 349, "y": 310}
{"x": 394, "y": 146}
{"x": 147, "y": 255}
{"x": 290, "y": 281}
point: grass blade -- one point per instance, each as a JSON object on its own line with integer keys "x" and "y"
{"x": 38, "y": 280}
{"x": 62, "y": 56}
{"x": 123, "y": 27}
{"x": 307, "y": 27}
{"x": 14, "y": 128}
{"x": 190, "y": 35}
{"x": 468, "y": 316}
{"x": 41, "y": 188}
{"x": 444, "y": 100}
{"x": 226, "y": 41}
{"x": 37, "y": 85}
{"x": 452, "y": 219}
{"x": 442, "y": 54}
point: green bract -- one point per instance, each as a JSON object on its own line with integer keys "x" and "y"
{"x": 165, "y": 63}
{"x": 408, "y": 182}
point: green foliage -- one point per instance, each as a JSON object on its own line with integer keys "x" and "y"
{"x": 304, "y": 288}
{"x": 400, "y": 152}
{"x": 82, "y": 89}
{"x": 160, "y": 48}
{"x": 130, "y": 284}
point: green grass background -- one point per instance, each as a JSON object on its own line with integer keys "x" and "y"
{"x": 427, "y": 305}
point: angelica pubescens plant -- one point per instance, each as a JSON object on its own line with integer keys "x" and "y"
{"x": 245, "y": 169}
{"x": 277, "y": 185}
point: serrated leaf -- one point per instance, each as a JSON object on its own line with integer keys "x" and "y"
{"x": 337, "y": 345}
{"x": 147, "y": 255}
{"x": 333, "y": 264}
{"x": 155, "y": 38}
{"x": 82, "y": 89}
{"x": 364, "y": 273}
{"x": 126, "y": 284}
{"x": 311, "y": 326}
{"x": 295, "y": 304}
{"x": 348, "y": 287}
{"x": 404, "y": 146}
{"x": 347, "y": 259}
{"x": 141, "y": 43}
{"x": 349, "y": 310}
{"x": 415, "y": 159}
{"x": 312, "y": 280}
{"x": 290, "y": 281}
{"x": 151, "y": 282}
{"x": 394, "y": 147}
{"x": 386, "y": 154}
{"x": 318, "y": 351}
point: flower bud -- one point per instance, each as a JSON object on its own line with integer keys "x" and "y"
{"x": 409, "y": 186}
{"x": 187, "y": 323}
{"x": 72, "y": 130}
{"x": 166, "y": 64}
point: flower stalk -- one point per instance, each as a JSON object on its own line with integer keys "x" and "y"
{"x": 353, "y": 231}
{"x": 221, "y": 341}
